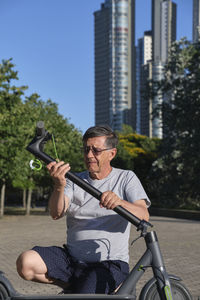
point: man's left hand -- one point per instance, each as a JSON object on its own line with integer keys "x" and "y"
{"x": 110, "y": 200}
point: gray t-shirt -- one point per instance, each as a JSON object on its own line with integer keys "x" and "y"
{"x": 94, "y": 233}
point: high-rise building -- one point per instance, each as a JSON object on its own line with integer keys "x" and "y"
{"x": 115, "y": 64}
{"x": 163, "y": 34}
{"x": 143, "y": 58}
{"x": 168, "y": 27}
{"x": 145, "y": 46}
{"x": 156, "y": 118}
{"x": 196, "y": 21}
{"x": 146, "y": 100}
{"x": 163, "y": 28}
{"x": 156, "y": 29}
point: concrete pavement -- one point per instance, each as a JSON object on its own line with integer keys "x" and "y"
{"x": 179, "y": 241}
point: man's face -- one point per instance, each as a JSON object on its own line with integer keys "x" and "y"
{"x": 97, "y": 161}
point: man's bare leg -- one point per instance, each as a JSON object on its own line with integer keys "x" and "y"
{"x": 30, "y": 266}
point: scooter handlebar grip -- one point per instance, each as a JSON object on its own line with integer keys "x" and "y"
{"x": 40, "y": 128}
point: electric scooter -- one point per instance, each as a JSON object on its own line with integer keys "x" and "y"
{"x": 161, "y": 287}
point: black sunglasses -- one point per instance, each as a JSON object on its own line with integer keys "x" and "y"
{"x": 95, "y": 151}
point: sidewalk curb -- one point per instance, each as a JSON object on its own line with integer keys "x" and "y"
{"x": 175, "y": 213}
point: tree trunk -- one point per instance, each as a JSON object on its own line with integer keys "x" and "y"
{"x": 3, "y": 188}
{"x": 28, "y": 206}
{"x": 24, "y": 198}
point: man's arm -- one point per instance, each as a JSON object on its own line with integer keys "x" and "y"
{"x": 110, "y": 200}
{"x": 58, "y": 202}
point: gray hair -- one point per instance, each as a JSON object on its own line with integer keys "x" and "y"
{"x": 102, "y": 130}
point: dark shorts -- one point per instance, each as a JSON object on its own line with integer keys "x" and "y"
{"x": 84, "y": 278}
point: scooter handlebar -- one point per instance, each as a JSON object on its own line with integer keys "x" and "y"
{"x": 36, "y": 148}
{"x": 40, "y": 128}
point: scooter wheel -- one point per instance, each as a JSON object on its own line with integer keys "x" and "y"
{"x": 179, "y": 291}
{"x": 3, "y": 292}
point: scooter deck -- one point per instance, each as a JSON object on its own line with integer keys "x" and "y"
{"x": 74, "y": 297}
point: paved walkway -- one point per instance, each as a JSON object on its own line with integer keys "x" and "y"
{"x": 179, "y": 241}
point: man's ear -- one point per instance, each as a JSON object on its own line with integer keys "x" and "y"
{"x": 113, "y": 153}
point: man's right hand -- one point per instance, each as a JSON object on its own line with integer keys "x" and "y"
{"x": 57, "y": 171}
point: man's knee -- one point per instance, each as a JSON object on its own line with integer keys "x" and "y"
{"x": 28, "y": 264}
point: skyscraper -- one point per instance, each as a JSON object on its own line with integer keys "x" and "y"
{"x": 143, "y": 58}
{"x": 163, "y": 28}
{"x": 168, "y": 28}
{"x": 156, "y": 29}
{"x": 196, "y": 21}
{"x": 115, "y": 64}
{"x": 163, "y": 34}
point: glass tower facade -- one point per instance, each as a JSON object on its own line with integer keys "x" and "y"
{"x": 114, "y": 64}
{"x": 143, "y": 74}
{"x": 196, "y": 20}
{"x": 163, "y": 34}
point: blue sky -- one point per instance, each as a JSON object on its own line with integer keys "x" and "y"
{"x": 52, "y": 46}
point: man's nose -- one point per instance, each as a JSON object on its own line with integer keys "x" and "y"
{"x": 90, "y": 153}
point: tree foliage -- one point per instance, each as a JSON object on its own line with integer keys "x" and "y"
{"x": 11, "y": 104}
{"x": 136, "y": 152}
{"x": 176, "y": 172}
{"x": 18, "y": 118}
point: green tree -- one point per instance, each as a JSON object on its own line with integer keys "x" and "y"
{"x": 68, "y": 144}
{"x": 18, "y": 119}
{"x": 10, "y": 103}
{"x": 176, "y": 172}
{"x": 136, "y": 152}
